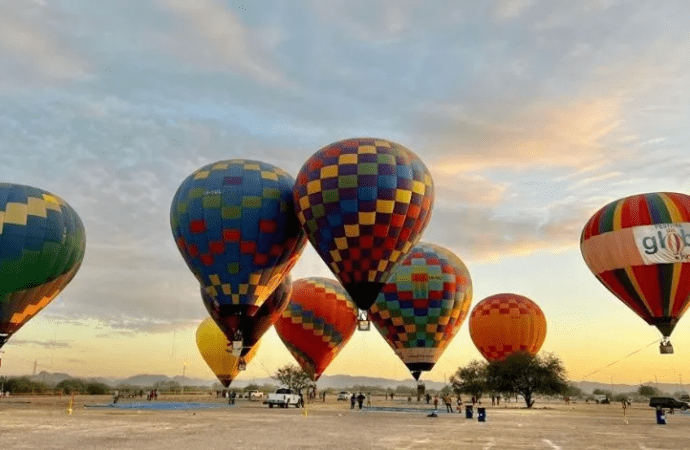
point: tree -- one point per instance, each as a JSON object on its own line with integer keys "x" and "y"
{"x": 647, "y": 391}
{"x": 470, "y": 379}
{"x": 293, "y": 377}
{"x": 524, "y": 374}
{"x": 72, "y": 386}
{"x": 574, "y": 392}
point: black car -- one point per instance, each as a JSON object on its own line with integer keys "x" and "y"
{"x": 668, "y": 402}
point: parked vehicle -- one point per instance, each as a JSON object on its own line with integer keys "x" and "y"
{"x": 668, "y": 402}
{"x": 344, "y": 395}
{"x": 602, "y": 399}
{"x": 256, "y": 395}
{"x": 283, "y": 397}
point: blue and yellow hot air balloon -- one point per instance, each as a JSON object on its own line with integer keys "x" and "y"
{"x": 234, "y": 223}
{"x": 42, "y": 244}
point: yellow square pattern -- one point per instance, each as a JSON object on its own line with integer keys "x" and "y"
{"x": 351, "y": 230}
{"x": 370, "y": 149}
{"x": 201, "y": 175}
{"x": 341, "y": 243}
{"x": 367, "y": 218}
{"x": 335, "y": 254}
{"x": 36, "y": 207}
{"x": 266, "y": 175}
{"x": 403, "y": 195}
{"x": 251, "y": 166}
{"x": 15, "y": 213}
{"x": 220, "y": 166}
{"x": 314, "y": 186}
{"x": 347, "y": 158}
{"x": 329, "y": 171}
{"x": 385, "y": 206}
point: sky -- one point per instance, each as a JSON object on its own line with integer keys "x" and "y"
{"x": 530, "y": 115}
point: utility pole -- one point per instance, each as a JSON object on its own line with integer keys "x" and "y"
{"x": 184, "y": 369}
{"x": 35, "y": 365}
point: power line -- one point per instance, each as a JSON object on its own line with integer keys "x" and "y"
{"x": 619, "y": 360}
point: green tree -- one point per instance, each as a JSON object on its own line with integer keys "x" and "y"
{"x": 646, "y": 390}
{"x": 24, "y": 385}
{"x": 97, "y": 388}
{"x": 293, "y": 377}
{"x": 470, "y": 379}
{"x": 72, "y": 386}
{"x": 574, "y": 392}
{"x": 524, "y": 374}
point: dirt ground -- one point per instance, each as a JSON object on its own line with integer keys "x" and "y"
{"x": 43, "y": 423}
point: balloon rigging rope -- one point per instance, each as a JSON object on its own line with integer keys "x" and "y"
{"x": 619, "y": 360}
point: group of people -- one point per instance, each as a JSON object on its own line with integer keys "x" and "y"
{"x": 359, "y": 399}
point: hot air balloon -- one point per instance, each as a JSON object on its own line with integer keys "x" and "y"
{"x": 363, "y": 203}
{"x": 42, "y": 244}
{"x": 250, "y": 326}
{"x": 235, "y": 225}
{"x": 213, "y": 345}
{"x": 423, "y": 305}
{"x": 317, "y": 323}
{"x": 639, "y": 248}
{"x": 503, "y": 324}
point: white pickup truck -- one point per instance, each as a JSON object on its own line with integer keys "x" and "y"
{"x": 283, "y": 397}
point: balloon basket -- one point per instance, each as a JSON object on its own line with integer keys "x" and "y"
{"x": 665, "y": 347}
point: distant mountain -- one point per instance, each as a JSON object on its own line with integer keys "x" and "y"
{"x": 328, "y": 382}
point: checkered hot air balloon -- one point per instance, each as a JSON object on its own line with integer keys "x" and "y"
{"x": 251, "y": 326}
{"x": 42, "y": 244}
{"x": 639, "y": 248}
{"x": 363, "y": 203}
{"x": 317, "y": 323}
{"x": 423, "y": 305}
{"x": 503, "y": 324}
{"x": 213, "y": 345}
{"x": 235, "y": 226}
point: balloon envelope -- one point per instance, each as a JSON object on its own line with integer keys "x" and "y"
{"x": 639, "y": 248}
{"x": 503, "y": 324}
{"x": 235, "y": 226}
{"x": 42, "y": 245}
{"x": 423, "y": 305}
{"x": 363, "y": 203}
{"x": 317, "y": 323}
{"x": 229, "y": 319}
{"x": 213, "y": 346}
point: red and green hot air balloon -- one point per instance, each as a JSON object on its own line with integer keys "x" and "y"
{"x": 639, "y": 248}
{"x": 42, "y": 244}
{"x": 423, "y": 305}
{"x": 363, "y": 203}
{"x": 317, "y": 323}
{"x": 234, "y": 223}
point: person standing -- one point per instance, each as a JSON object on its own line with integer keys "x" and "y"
{"x": 360, "y": 400}
{"x": 447, "y": 401}
{"x": 368, "y": 399}
{"x": 436, "y": 402}
{"x": 353, "y": 399}
{"x": 428, "y": 398}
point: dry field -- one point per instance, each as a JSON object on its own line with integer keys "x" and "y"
{"x": 43, "y": 423}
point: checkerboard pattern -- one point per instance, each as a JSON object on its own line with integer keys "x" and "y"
{"x": 42, "y": 245}
{"x": 319, "y": 320}
{"x": 363, "y": 203}
{"x": 503, "y": 324}
{"x": 234, "y": 223}
{"x": 424, "y": 304}
{"x": 252, "y": 321}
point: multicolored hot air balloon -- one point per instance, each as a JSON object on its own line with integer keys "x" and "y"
{"x": 213, "y": 345}
{"x": 234, "y": 223}
{"x": 42, "y": 244}
{"x": 251, "y": 326}
{"x": 639, "y": 248}
{"x": 363, "y": 203}
{"x": 423, "y": 305}
{"x": 503, "y": 324}
{"x": 317, "y": 323}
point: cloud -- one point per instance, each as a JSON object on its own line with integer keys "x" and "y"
{"x": 32, "y": 52}
{"x": 44, "y": 344}
{"x": 215, "y": 39}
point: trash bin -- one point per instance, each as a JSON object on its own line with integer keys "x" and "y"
{"x": 468, "y": 411}
{"x": 481, "y": 414}
{"x": 660, "y": 417}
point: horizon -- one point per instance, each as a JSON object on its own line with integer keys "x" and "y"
{"x": 529, "y": 115}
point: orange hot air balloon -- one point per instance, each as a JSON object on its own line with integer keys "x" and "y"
{"x": 213, "y": 346}
{"x": 639, "y": 248}
{"x": 317, "y": 323}
{"x": 503, "y": 324}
